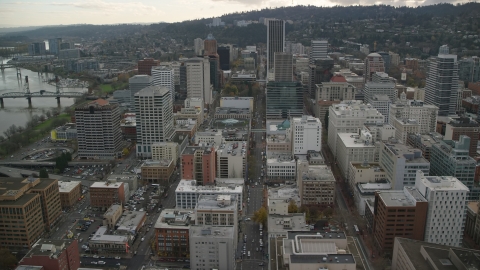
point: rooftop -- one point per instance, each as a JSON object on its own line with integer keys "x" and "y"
{"x": 164, "y": 162}
{"x": 473, "y": 206}
{"x": 191, "y": 186}
{"x": 409, "y": 196}
{"x": 368, "y": 189}
{"x": 284, "y": 223}
{"x": 318, "y": 172}
{"x": 65, "y": 187}
{"x": 112, "y": 209}
{"x": 49, "y": 247}
{"x": 212, "y": 231}
{"x": 464, "y": 122}
{"x": 353, "y": 108}
{"x": 106, "y": 184}
{"x": 329, "y": 259}
{"x": 279, "y": 157}
{"x": 353, "y": 140}
{"x": 190, "y": 150}
{"x": 410, "y": 154}
{"x": 131, "y": 221}
{"x": 212, "y": 202}
{"x": 175, "y": 218}
{"x": 236, "y": 98}
{"x": 367, "y": 165}
{"x": 232, "y": 148}
{"x": 97, "y": 104}
{"x": 233, "y": 111}
{"x": 101, "y": 236}
{"x": 277, "y": 126}
{"x": 284, "y": 192}
{"x": 154, "y": 90}
{"x": 66, "y": 127}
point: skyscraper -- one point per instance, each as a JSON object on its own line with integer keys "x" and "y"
{"x": 164, "y": 76}
{"x": 145, "y": 66}
{"x": 198, "y": 79}
{"x": 98, "y": 130}
{"x": 154, "y": 112}
{"x": 224, "y": 54}
{"x": 319, "y": 50}
{"x": 442, "y": 82}
{"x": 198, "y": 46}
{"x": 373, "y": 63}
{"x": 284, "y": 100}
{"x": 283, "y": 67}
{"x": 137, "y": 83}
{"x": 275, "y": 40}
{"x": 54, "y": 45}
{"x": 210, "y": 46}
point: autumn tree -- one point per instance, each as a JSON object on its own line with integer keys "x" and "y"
{"x": 292, "y": 207}
{"x": 260, "y": 216}
{"x": 7, "y": 260}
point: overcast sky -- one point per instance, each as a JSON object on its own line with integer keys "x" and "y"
{"x": 53, "y": 12}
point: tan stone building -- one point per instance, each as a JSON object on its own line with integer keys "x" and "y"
{"x": 157, "y": 171}
{"x": 112, "y": 215}
{"x": 316, "y": 185}
{"x": 70, "y": 192}
{"x": 50, "y": 197}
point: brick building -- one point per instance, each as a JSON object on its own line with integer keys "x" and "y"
{"x": 145, "y": 66}
{"x": 104, "y": 194}
{"x": 198, "y": 163}
{"x": 172, "y": 233}
{"x": 53, "y": 255}
{"x": 464, "y": 126}
{"x": 70, "y": 192}
{"x": 157, "y": 171}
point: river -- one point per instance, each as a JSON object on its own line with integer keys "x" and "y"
{"x": 16, "y": 111}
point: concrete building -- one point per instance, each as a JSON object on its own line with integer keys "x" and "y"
{"x": 215, "y": 243}
{"x": 237, "y": 102}
{"x": 364, "y": 193}
{"x": 130, "y": 180}
{"x": 280, "y": 225}
{"x": 209, "y": 138}
{"x": 228, "y": 113}
{"x": 401, "y": 163}
{"x": 111, "y": 216}
{"x": 380, "y": 84}
{"x": 319, "y": 50}
{"x": 355, "y": 147}
{"x": 170, "y": 150}
{"x": 312, "y": 251}
{"x": 283, "y": 67}
{"x": 472, "y": 222}
{"x": 172, "y": 238}
{"x": 411, "y": 254}
{"x": 316, "y": 185}
{"x": 164, "y": 76}
{"x": 306, "y": 135}
{"x": 380, "y": 132}
{"x": 231, "y": 160}
{"x": 424, "y": 114}
{"x": 187, "y": 193}
{"x": 131, "y": 222}
{"x": 54, "y": 45}
{"x": 424, "y": 142}
{"x": 382, "y": 104}
{"x": 451, "y": 158}
{"x": 98, "y": 130}
{"x": 398, "y": 213}
{"x": 104, "y": 194}
{"x": 37, "y": 204}
{"x": 198, "y": 163}
{"x": 145, "y": 66}
{"x": 70, "y": 193}
{"x": 198, "y": 79}
{"x": 279, "y": 198}
{"x": 284, "y": 100}
{"x": 326, "y": 92}
{"x": 64, "y": 133}
{"x": 464, "y": 126}
{"x": 137, "y": 83}
{"x": 442, "y": 82}
{"x": 365, "y": 172}
{"x": 69, "y": 54}
{"x": 275, "y": 41}
{"x": 280, "y": 166}
{"x": 104, "y": 243}
{"x": 405, "y": 127}
{"x": 348, "y": 117}
{"x": 157, "y": 171}
{"x": 53, "y": 255}
{"x": 279, "y": 136}
{"x": 443, "y": 192}
{"x": 154, "y": 118}
{"x": 373, "y": 63}
{"x": 198, "y": 46}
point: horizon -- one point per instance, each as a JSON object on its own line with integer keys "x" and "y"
{"x": 106, "y": 12}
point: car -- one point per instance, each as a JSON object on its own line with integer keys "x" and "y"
{"x": 180, "y": 260}
{"x": 143, "y": 238}
{"x": 260, "y": 264}
{"x": 93, "y": 262}
{"x": 248, "y": 219}
{"x": 117, "y": 257}
{"x": 101, "y": 262}
{"x": 102, "y": 257}
{"x": 95, "y": 256}
{"x": 118, "y": 264}
{"x": 85, "y": 256}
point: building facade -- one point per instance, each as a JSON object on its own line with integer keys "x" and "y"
{"x": 70, "y": 193}
{"x": 212, "y": 247}
{"x": 284, "y": 99}
{"x": 104, "y": 194}
{"x": 275, "y": 40}
{"x": 145, "y": 66}
{"x": 172, "y": 239}
{"x": 283, "y": 67}
{"x": 164, "y": 76}
{"x": 464, "y": 126}
{"x": 198, "y": 79}
{"x": 53, "y": 255}
{"x": 316, "y": 185}
{"x": 306, "y": 135}
{"x": 199, "y": 163}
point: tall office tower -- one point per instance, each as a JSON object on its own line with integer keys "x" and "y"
{"x": 154, "y": 112}
{"x": 283, "y": 67}
{"x": 275, "y": 40}
{"x": 210, "y": 46}
{"x": 380, "y": 85}
{"x": 284, "y": 100}
{"x": 183, "y": 81}
{"x": 320, "y": 71}
{"x": 451, "y": 158}
{"x": 319, "y": 50}
{"x": 442, "y": 82}
{"x": 464, "y": 126}
{"x": 137, "y": 83}
{"x": 98, "y": 130}
{"x": 198, "y": 79}
{"x": 54, "y": 45}
{"x": 145, "y": 66}
{"x": 214, "y": 62}
{"x": 36, "y": 48}
{"x": 307, "y": 135}
{"x": 386, "y": 60}
{"x": 373, "y": 63}
{"x": 224, "y": 54}
{"x": 164, "y": 76}
{"x": 357, "y": 113}
{"x": 469, "y": 69}
{"x": 198, "y": 46}
{"x": 446, "y": 198}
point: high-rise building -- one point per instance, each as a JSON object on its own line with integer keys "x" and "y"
{"x": 442, "y": 82}
{"x": 446, "y": 197}
{"x": 386, "y": 60}
{"x": 164, "y": 76}
{"x": 34, "y": 203}
{"x": 328, "y": 93}
{"x": 98, "y": 130}
{"x": 283, "y": 67}
{"x": 357, "y": 113}
{"x": 319, "y": 50}
{"x": 392, "y": 207}
{"x": 198, "y": 79}
{"x": 231, "y": 160}
{"x": 451, "y": 158}
{"x": 145, "y": 66}
{"x": 217, "y": 243}
{"x": 198, "y": 163}
{"x": 275, "y": 41}
{"x": 318, "y": 72}
{"x": 307, "y": 134}
{"x": 52, "y": 254}
{"x": 224, "y": 54}
{"x": 469, "y": 69}
{"x": 54, "y": 45}
{"x": 400, "y": 163}
{"x": 36, "y": 48}
{"x": 424, "y": 114}
{"x": 284, "y": 99}
{"x": 373, "y": 63}
{"x": 464, "y": 126}
{"x": 154, "y": 113}
{"x": 198, "y": 46}
{"x": 380, "y": 84}
{"x": 210, "y": 46}
{"x": 137, "y": 83}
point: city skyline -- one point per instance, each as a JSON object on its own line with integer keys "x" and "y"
{"x": 45, "y": 12}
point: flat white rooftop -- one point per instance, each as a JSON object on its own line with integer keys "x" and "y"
{"x": 100, "y": 236}
{"x": 106, "y": 185}
{"x": 190, "y": 186}
{"x": 65, "y": 187}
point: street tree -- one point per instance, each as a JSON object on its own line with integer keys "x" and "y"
{"x": 292, "y": 207}
{"x": 260, "y": 216}
{"x": 7, "y": 259}
{"x": 43, "y": 173}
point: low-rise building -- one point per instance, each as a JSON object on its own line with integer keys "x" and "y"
{"x": 131, "y": 222}
{"x": 209, "y": 138}
{"x": 216, "y": 243}
{"x": 280, "y": 166}
{"x": 279, "y": 225}
{"x": 104, "y": 243}
{"x": 355, "y": 147}
{"x": 279, "y": 198}
{"x": 64, "y": 133}
{"x": 130, "y": 180}
{"x": 172, "y": 238}
{"x": 53, "y": 254}
{"x": 187, "y": 193}
{"x": 112, "y": 215}
{"x": 157, "y": 171}
{"x": 227, "y": 113}
{"x": 278, "y": 136}
{"x": 186, "y": 127}
{"x": 316, "y": 185}
{"x": 404, "y": 127}
{"x": 104, "y": 194}
{"x": 237, "y": 102}
{"x": 70, "y": 193}
{"x": 365, "y": 172}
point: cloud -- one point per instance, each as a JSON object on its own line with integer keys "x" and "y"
{"x": 258, "y": 3}
{"x": 410, "y": 3}
{"x": 108, "y": 6}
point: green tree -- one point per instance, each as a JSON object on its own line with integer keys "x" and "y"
{"x": 125, "y": 151}
{"x": 260, "y": 216}
{"x": 68, "y": 156}
{"x": 43, "y": 173}
{"x": 305, "y": 210}
{"x": 292, "y": 207}
{"x": 7, "y": 260}
{"x": 61, "y": 162}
